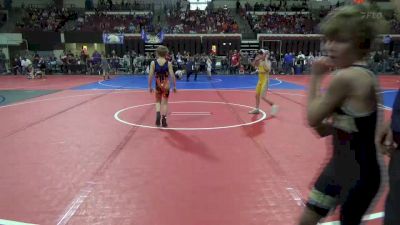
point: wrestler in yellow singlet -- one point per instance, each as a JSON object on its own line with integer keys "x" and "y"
{"x": 263, "y": 78}
{"x": 264, "y": 67}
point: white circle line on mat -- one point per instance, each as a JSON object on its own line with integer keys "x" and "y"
{"x": 116, "y": 117}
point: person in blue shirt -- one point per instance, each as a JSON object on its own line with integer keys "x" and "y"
{"x": 388, "y": 142}
{"x": 288, "y": 63}
{"x": 190, "y": 69}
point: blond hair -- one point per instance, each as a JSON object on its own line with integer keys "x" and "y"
{"x": 162, "y": 51}
{"x": 360, "y": 24}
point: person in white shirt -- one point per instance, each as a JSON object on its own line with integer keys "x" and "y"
{"x": 27, "y": 67}
{"x": 310, "y": 60}
{"x": 301, "y": 60}
{"x": 208, "y": 62}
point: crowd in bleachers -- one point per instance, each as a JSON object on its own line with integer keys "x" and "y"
{"x": 394, "y": 25}
{"x": 109, "y": 5}
{"x": 197, "y": 21}
{"x": 124, "y": 5}
{"x": 119, "y": 23}
{"x": 45, "y": 19}
{"x": 272, "y": 7}
{"x": 3, "y": 17}
{"x": 275, "y": 23}
{"x": 279, "y": 18}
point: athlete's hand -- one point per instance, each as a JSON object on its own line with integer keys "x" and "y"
{"x": 257, "y": 58}
{"x": 257, "y": 61}
{"x": 324, "y": 129}
{"x": 321, "y": 66}
{"x": 384, "y": 140}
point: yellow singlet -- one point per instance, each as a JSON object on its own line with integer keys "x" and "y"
{"x": 263, "y": 78}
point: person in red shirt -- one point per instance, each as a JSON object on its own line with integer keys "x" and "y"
{"x": 235, "y": 59}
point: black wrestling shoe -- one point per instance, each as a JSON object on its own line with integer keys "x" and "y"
{"x": 158, "y": 122}
{"x": 164, "y": 121}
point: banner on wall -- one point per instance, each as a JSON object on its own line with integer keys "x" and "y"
{"x": 113, "y": 38}
{"x": 10, "y": 39}
{"x": 152, "y": 39}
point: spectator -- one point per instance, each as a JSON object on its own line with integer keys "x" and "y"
{"x": 225, "y": 64}
{"x": 190, "y": 68}
{"x": 300, "y": 60}
{"x": 310, "y": 60}
{"x": 27, "y": 67}
{"x": 16, "y": 66}
{"x": 235, "y": 62}
{"x": 288, "y": 63}
{"x": 396, "y": 66}
{"x": 3, "y": 68}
